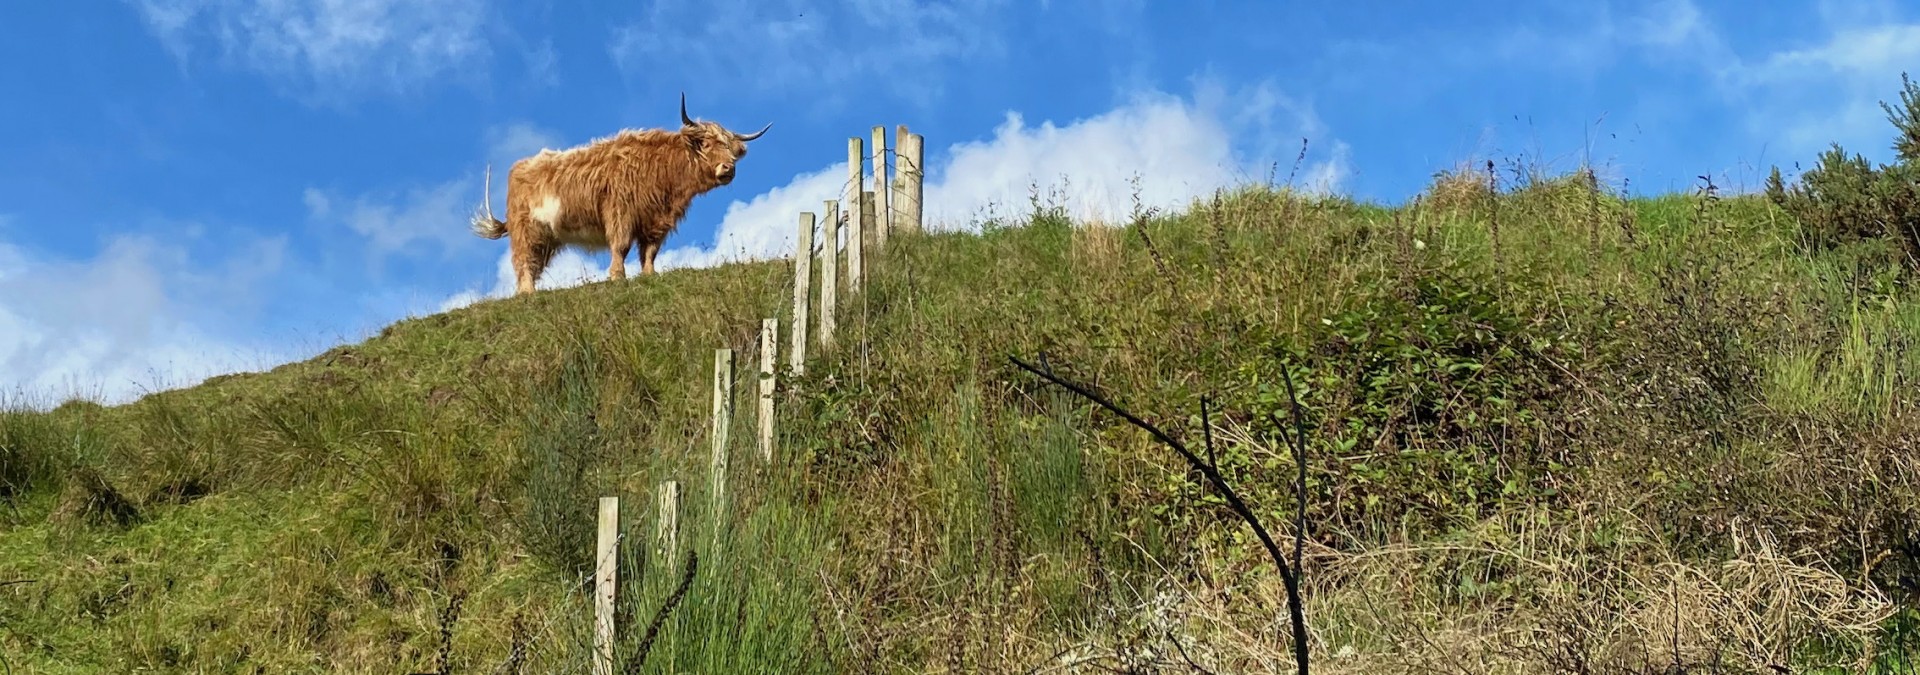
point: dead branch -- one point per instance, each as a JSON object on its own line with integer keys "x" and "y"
{"x": 1212, "y": 473}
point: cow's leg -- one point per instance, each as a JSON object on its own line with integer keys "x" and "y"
{"x": 619, "y": 243}
{"x": 647, "y": 252}
{"x": 530, "y": 258}
{"x": 525, "y": 269}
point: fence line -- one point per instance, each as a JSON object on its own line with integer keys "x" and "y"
{"x": 892, "y": 205}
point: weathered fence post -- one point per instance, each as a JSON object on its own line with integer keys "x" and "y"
{"x": 856, "y": 161}
{"x": 605, "y": 578}
{"x": 899, "y": 215}
{"x": 910, "y": 172}
{"x": 869, "y": 220}
{"x": 802, "y": 292}
{"x": 856, "y": 238}
{"x": 883, "y": 205}
{"x": 722, "y": 424}
{"x": 829, "y": 271}
{"x": 669, "y": 524}
{"x": 769, "y": 332}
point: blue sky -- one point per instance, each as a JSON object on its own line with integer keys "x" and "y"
{"x": 192, "y": 187}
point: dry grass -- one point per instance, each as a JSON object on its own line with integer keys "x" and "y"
{"x": 1461, "y": 191}
{"x": 1557, "y": 610}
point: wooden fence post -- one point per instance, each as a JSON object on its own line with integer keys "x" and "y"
{"x": 722, "y": 424}
{"x": 856, "y": 241}
{"x": 869, "y": 217}
{"x": 899, "y": 215}
{"x": 669, "y": 523}
{"x": 606, "y": 578}
{"x": 829, "y": 272}
{"x": 802, "y": 292}
{"x": 769, "y": 332}
{"x": 856, "y": 161}
{"x": 882, "y": 205}
{"x": 910, "y": 171}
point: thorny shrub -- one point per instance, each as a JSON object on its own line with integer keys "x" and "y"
{"x": 1846, "y": 199}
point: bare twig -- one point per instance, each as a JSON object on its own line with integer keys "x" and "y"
{"x": 1287, "y": 572}
{"x": 1300, "y": 489}
{"x": 1183, "y": 654}
{"x": 1206, "y": 427}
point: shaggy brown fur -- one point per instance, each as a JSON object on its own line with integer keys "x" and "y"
{"x": 629, "y": 188}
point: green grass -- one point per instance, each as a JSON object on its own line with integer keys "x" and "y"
{"x": 1642, "y": 423}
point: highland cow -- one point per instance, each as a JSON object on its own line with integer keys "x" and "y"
{"x": 629, "y": 188}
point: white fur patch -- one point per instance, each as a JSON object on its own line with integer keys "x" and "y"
{"x": 548, "y": 211}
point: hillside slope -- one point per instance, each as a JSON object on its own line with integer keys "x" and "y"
{"x": 1548, "y": 431}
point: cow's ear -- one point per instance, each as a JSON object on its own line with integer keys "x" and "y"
{"x": 694, "y": 141}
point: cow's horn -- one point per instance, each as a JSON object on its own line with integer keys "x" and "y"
{"x": 756, "y": 134}
{"x": 684, "y": 119}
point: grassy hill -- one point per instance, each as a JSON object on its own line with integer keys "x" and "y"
{"x": 1548, "y": 430}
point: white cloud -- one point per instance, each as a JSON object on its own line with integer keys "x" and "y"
{"x": 436, "y": 214}
{"x": 1857, "y": 13}
{"x": 1180, "y": 149}
{"x": 1671, "y": 31}
{"x": 511, "y": 142}
{"x": 329, "y": 47}
{"x": 1862, "y": 53}
{"x": 123, "y": 323}
{"x": 1673, "y": 24}
{"x": 1826, "y": 89}
{"x": 1830, "y": 92}
{"x": 1802, "y": 98}
{"x": 781, "y": 47}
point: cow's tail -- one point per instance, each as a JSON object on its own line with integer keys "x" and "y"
{"x": 486, "y": 226}
{"x": 483, "y": 223}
